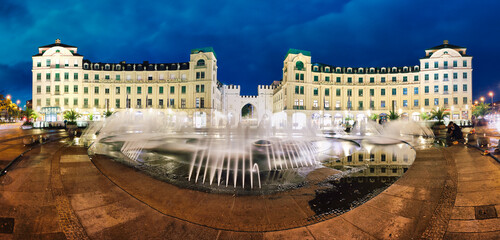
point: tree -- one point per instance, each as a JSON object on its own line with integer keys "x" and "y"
{"x": 439, "y": 114}
{"x": 71, "y": 116}
{"x": 481, "y": 110}
{"x": 30, "y": 114}
{"x": 393, "y": 115}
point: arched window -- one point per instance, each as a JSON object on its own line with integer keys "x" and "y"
{"x": 200, "y": 63}
{"x": 58, "y": 51}
{"x": 299, "y": 65}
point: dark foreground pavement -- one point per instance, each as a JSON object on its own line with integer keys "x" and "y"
{"x": 56, "y": 192}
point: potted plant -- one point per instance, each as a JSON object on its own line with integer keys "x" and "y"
{"x": 374, "y": 117}
{"x": 439, "y": 114}
{"x": 393, "y": 115}
{"x": 71, "y": 116}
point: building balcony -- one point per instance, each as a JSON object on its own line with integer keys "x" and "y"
{"x": 315, "y": 108}
{"x": 327, "y": 108}
{"x": 299, "y": 108}
{"x": 338, "y": 108}
{"x": 138, "y": 106}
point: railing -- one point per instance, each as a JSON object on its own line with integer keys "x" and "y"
{"x": 138, "y": 106}
{"x": 315, "y": 108}
{"x": 327, "y": 108}
{"x": 338, "y": 108}
{"x": 299, "y": 108}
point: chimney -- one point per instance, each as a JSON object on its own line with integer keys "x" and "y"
{"x": 445, "y": 42}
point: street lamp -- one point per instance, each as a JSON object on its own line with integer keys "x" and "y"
{"x": 491, "y": 95}
{"x": 8, "y": 97}
{"x": 481, "y": 99}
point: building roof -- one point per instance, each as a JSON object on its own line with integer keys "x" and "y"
{"x": 445, "y": 45}
{"x": 57, "y": 45}
{"x": 297, "y": 51}
{"x": 205, "y": 49}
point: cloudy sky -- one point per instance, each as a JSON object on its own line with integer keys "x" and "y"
{"x": 250, "y": 38}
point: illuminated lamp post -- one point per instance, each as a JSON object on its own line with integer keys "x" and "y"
{"x": 491, "y": 95}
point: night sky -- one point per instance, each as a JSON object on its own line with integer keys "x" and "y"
{"x": 250, "y": 38}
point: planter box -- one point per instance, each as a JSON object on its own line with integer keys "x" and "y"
{"x": 26, "y": 127}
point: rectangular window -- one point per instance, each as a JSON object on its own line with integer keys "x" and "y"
{"x": 302, "y": 90}
{"x": 297, "y": 76}
{"x": 455, "y": 88}
{"x": 465, "y": 100}
{"x": 436, "y": 88}
{"x": 382, "y": 104}
{"x": 66, "y": 76}
{"x": 465, "y": 87}
{"x": 96, "y": 76}
{"x": 66, "y": 89}
{"x": 415, "y": 90}
{"x": 202, "y": 88}
{"x": 96, "y": 102}
{"x": 315, "y": 78}
{"x": 38, "y": 76}
{"x": 301, "y": 76}
{"x": 47, "y": 63}
{"x": 445, "y": 64}
{"x": 426, "y": 65}
{"x": 465, "y": 75}
{"x": 405, "y": 103}
{"x": 426, "y": 89}
{"x": 85, "y": 90}
{"x": 106, "y": 91}
{"x": 66, "y": 101}
{"x": 455, "y": 64}
{"x": 76, "y": 63}
{"x": 57, "y": 88}
{"x": 360, "y": 92}
{"x": 315, "y": 91}
{"x": 372, "y": 104}
{"x": 85, "y": 102}
{"x": 117, "y": 90}
{"x": 202, "y": 75}
{"x": 117, "y": 77}
{"x": 372, "y": 92}
{"x": 96, "y": 90}
{"x": 349, "y": 92}
{"x": 338, "y": 79}
{"x": 436, "y": 101}
{"x": 382, "y": 92}
{"x": 198, "y": 75}
{"x": 436, "y": 65}
{"x": 117, "y": 103}
{"x": 183, "y": 89}
{"x": 445, "y": 101}
{"x": 465, "y": 63}
{"x": 337, "y": 92}
{"x": 47, "y": 89}
{"x": 183, "y": 103}
{"x": 327, "y": 79}
{"x": 349, "y": 80}
{"x": 160, "y": 90}
{"x": 445, "y": 77}
{"x": 327, "y": 92}
{"x": 455, "y": 100}
{"x": 360, "y": 80}
{"x": 372, "y": 80}
{"x": 197, "y": 88}
{"x": 455, "y": 75}
{"x": 394, "y": 79}
{"x": 415, "y": 102}
{"x": 66, "y": 63}
{"x": 75, "y": 102}
{"x": 405, "y": 79}
{"x": 106, "y": 76}
{"x": 160, "y": 102}
{"x": 75, "y": 76}
{"x": 360, "y": 105}
{"x": 426, "y": 102}
{"x": 415, "y": 78}
{"x": 139, "y": 90}
{"x": 436, "y": 76}
{"x": 393, "y": 91}
{"x": 47, "y": 102}
{"x": 57, "y": 78}
{"x": 382, "y": 79}
{"x": 172, "y": 90}
{"x": 426, "y": 76}
{"x": 129, "y": 90}
{"x": 38, "y": 89}
{"x": 150, "y": 90}
{"x": 39, "y": 64}
{"x": 297, "y": 90}
{"x": 85, "y": 76}
{"x": 405, "y": 91}
{"x": 445, "y": 88}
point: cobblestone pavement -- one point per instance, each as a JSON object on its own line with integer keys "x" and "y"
{"x": 56, "y": 192}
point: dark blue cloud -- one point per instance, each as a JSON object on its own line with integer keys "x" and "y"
{"x": 250, "y": 37}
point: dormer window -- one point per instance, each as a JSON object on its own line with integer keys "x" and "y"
{"x": 315, "y": 68}
{"x": 106, "y": 67}
{"x": 327, "y": 69}
{"x": 117, "y": 67}
{"x": 200, "y": 63}
{"x": 96, "y": 66}
{"x": 86, "y": 66}
{"x": 338, "y": 70}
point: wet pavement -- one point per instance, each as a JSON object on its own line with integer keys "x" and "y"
{"x": 56, "y": 192}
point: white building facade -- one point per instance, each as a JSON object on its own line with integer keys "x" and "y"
{"x": 321, "y": 94}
